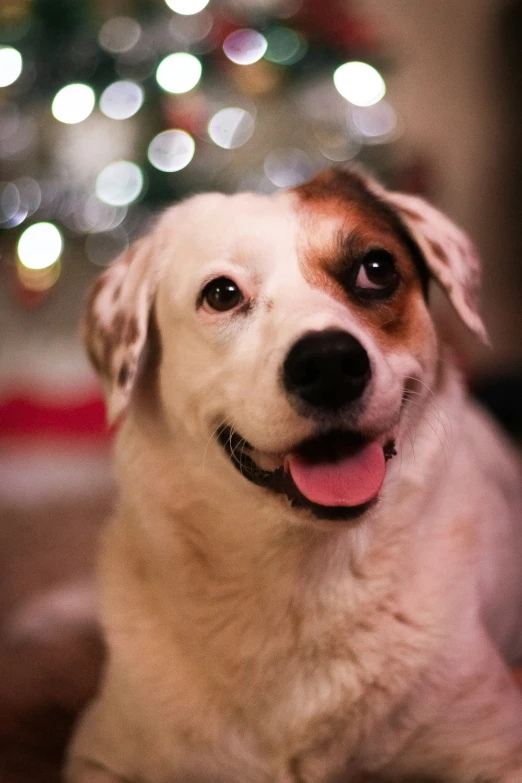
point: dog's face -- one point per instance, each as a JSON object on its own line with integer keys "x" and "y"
{"x": 294, "y": 330}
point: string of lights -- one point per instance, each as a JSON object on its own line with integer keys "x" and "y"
{"x": 134, "y": 104}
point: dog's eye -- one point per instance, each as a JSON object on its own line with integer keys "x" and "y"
{"x": 222, "y": 294}
{"x": 377, "y": 276}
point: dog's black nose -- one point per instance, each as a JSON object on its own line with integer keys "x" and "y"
{"x": 327, "y": 369}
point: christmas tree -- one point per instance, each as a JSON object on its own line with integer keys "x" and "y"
{"x": 111, "y": 108}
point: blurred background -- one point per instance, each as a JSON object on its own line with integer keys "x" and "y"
{"x": 111, "y": 109}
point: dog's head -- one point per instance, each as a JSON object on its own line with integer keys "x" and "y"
{"x": 294, "y": 330}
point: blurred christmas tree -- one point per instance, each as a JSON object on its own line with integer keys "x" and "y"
{"x": 111, "y": 108}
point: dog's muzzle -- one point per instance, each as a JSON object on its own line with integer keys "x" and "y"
{"x": 323, "y": 453}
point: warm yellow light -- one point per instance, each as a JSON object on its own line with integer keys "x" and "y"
{"x": 187, "y": 7}
{"x": 10, "y": 65}
{"x": 73, "y": 103}
{"x": 359, "y": 83}
{"x": 171, "y": 150}
{"x": 40, "y": 246}
{"x": 179, "y": 72}
{"x": 38, "y": 281}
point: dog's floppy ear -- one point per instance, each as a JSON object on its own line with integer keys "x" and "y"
{"x": 116, "y": 322}
{"x": 449, "y": 254}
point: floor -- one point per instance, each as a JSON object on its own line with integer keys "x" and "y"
{"x": 52, "y": 505}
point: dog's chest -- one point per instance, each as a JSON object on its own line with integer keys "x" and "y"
{"x": 314, "y": 701}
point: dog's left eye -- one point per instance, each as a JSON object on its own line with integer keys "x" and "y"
{"x": 222, "y": 294}
{"x": 377, "y": 275}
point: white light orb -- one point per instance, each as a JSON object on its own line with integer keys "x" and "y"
{"x": 121, "y": 100}
{"x": 10, "y": 65}
{"x": 245, "y": 47}
{"x": 94, "y": 216}
{"x": 179, "y": 72}
{"x": 119, "y": 183}
{"x": 30, "y": 193}
{"x": 40, "y": 246}
{"x": 119, "y": 34}
{"x": 359, "y": 83}
{"x": 288, "y": 167}
{"x": 10, "y": 201}
{"x": 377, "y": 124}
{"x": 187, "y": 7}
{"x": 73, "y": 103}
{"x": 231, "y": 128}
{"x": 171, "y": 150}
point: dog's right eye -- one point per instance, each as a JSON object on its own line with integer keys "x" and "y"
{"x": 221, "y": 294}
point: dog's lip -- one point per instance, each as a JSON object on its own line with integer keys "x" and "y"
{"x": 270, "y": 470}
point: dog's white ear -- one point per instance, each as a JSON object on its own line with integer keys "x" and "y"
{"x": 449, "y": 254}
{"x": 116, "y": 322}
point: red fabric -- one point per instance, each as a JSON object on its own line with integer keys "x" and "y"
{"x": 23, "y": 415}
{"x": 334, "y": 25}
{"x": 331, "y": 24}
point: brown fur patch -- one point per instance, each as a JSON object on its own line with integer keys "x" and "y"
{"x": 344, "y": 220}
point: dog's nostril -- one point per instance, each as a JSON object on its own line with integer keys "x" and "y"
{"x": 327, "y": 369}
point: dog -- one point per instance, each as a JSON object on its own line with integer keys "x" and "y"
{"x": 314, "y": 574}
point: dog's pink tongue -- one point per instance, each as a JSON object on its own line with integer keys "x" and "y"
{"x": 350, "y": 481}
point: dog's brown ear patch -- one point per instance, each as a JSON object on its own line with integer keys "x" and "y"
{"x": 115, "y": 327}
{"x": 449, "y": 254}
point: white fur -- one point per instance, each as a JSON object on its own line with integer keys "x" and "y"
{"x": 249, "y": 642}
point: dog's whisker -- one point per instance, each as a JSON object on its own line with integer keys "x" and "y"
{"x": 421, "y": 383}
{"x": 212, "y": 435}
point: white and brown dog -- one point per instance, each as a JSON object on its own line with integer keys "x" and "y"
{"x": 315, "y": 571}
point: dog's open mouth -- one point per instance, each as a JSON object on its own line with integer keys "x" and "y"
{"x": 336, "y": 476}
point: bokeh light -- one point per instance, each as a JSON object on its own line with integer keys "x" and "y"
{"x": 359, "y": 83}
{"x": 13, "y": 210}
{"x": 191, "y": 30}
{"x": 120, "y": 183}
{"x": 121, "y": 100}
{"x": 119, "y": 34}
{"x": 377, "y": 124}
{"x": 30, "y": 194}
{"x": 10, "y": 65}
{"x": 73, "y": 103}
{"x": 18, "y": 131}
{"x": 288, "y": 167}
{"x": 93, "y": 215}
{"x": 40, "y": 246}
{"x": 171, "y": 150}
{"x": 187, "y": 7}
{"x": 231, "y": 128}
{"x": 245, "y": 47}
{"x": 284, "y": 46}
{"x": 9, "y": 201}
{"x": 179, "y": 72}
{"x": 336, "y": 144}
